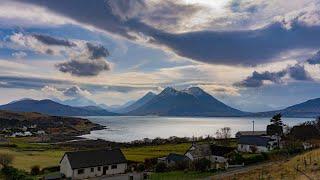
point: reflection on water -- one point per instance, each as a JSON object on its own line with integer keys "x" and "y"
{"x": 129, "y": 128}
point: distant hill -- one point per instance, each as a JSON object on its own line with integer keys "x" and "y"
{"x": 310, "y": 108}
{"x": 53, "y": 125}
{"x": 77, "y": 102}
{"x": 190, "y": 102}
{"x": 53, "y": 108}
{"x": 137, "y": 104}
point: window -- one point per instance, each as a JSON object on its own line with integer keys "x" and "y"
{"x": 80, "y": 171}
{"x": 92, "y": 169}
{"x": 114, "y": 166}
{"x": 99, "y": 168}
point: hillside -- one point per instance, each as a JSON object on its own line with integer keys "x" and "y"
{"x": 190, "y": 102}
{"x": 310, "y": 108}
{"x": 53, "y": 125}
{"x": 53, "y": 108}
{"x": 137, "y": 104}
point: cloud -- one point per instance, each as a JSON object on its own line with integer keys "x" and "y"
{"x": 298, "y": 72}
{"x": 314, "y": 59}
{"x": 97, "y": 51}
{"x": 76, "y": 91}
{"x": 48, "y": 40}
{"x": 19, "y": 54}
{"x": 84, "y": 67}
{"x": 86, "y": 58}
{"x": 217, "y": 47}
{"x": 257, "y": 79}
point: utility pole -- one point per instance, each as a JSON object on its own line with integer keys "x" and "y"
{"x": 253, "y": 127}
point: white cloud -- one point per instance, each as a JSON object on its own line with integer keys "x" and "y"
{"x": 19, "y": 54}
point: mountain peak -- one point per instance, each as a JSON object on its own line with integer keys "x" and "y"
{"x": 169, "y": 91}
{"x": 150, "y": 94}
{"x": 196, "y": 91}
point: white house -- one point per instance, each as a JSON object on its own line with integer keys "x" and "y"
{"x": 88, "y": 164}
{"x": 216, "y": 154}
{"x": 257, "y": 143}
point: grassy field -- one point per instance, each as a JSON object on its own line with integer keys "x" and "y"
{"x": 141, "y": 153}
{"x": 27, "y": 154}
{"x": 308, "y": 163}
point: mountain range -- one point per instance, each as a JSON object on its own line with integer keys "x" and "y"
{"x": 189, "y": 102}
{"x": 170, "y": 102}
{"x": 310, "y": 109}
{"x": 50, "y": 107}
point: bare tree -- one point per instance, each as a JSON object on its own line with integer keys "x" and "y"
{"x": 223, "y": 133}
{"x": 5, "y": 159}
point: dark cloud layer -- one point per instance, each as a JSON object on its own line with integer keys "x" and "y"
{"x": 49, "y": 40}
{"x": 256, "y": 79}
{"x": 296, "y": 72}
{"x": 84, "y": 68}
{"x": 249, "y": 47}
{"x": 97, "y": 51}
{"x": 314, "y": 59}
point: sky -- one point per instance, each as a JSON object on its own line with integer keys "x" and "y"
{"x": 253, "y": 55}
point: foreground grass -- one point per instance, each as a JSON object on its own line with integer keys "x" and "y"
{"x": 179, "y": 175}
{"x": 308, "y": 163}
{"x": 139, "y": 154}
{"x": 28, "y": 154}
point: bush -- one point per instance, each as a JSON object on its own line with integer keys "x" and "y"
{"x": 201, "y": 165}
{"x": 35, "y": 170}
{"x": 181, "y": 165}
{"x": 161, "y": 167}
{"x": 149, "y": 163}
{"x": 5, "y": 159}
{"x": 140, "y": 167}
{"x": 50, "y": 169}
{"x": 15, "y": 174}
{"x": 254, "y": 159}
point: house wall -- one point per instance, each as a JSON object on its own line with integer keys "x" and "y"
{"x": 65, "y": 167}
{"x": 121, "y": 168}
{"x": 246, "y": 148}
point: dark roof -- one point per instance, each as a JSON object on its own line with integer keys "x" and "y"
{"x": 83, "y": 159}
{"x": 254, "y": 140}
{"x": 177, "y": 157}
{"x": 251, "y": 133}
{"x": 220, "y": 150}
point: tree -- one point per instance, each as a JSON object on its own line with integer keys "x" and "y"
{"x": 161, "y": 167}
{"x": 276, "y": 126}
{"x": 201, "y": 165}
{"x": 35, "y": 170}
{"x": 276, "y": 120}
{"x": 223, "y": 133}
{"x": 5, "y": 160}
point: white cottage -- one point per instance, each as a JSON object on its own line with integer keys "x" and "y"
{"x": 88, "y": 164}
{"x": 257, "y": 144}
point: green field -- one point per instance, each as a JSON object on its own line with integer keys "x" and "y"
{"x": 27, "y": 154}
{"x": 141, "y": 153}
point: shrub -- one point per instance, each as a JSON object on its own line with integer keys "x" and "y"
{"x": 140, "y": 167}
{"x": 201, "y": 165}
{"x": 149, "y": 163}
{"x": 161, "y": 167}
{"x": 15, "y": 174}
{"x": 35, "y": 170}
{"x": 5, "y": 159}
{"x": 254, "y": 159}
{"x": 181, "y": 165}
{"x": 50, "y": 169}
